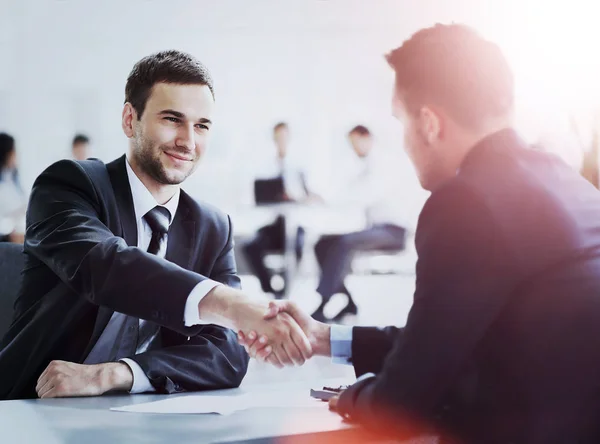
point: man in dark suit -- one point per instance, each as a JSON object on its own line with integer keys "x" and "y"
{"x": 125, "y": 273}
{"x": 502, "y": 343}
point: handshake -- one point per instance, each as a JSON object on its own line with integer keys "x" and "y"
{"x": 284, "y": 336}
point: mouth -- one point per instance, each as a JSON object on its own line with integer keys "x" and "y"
{"x": 178, "y": 157}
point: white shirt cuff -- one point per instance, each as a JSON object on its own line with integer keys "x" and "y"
{"x": 141, "y": 383}
{"x": 340, "y": 338}
{"x": 191, "y": 316}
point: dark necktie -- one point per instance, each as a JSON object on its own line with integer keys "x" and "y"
{"x": 158, "y": 218}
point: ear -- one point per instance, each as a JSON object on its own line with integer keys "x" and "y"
{"x": 431, "y": 124}
{"x": 128, "y": 119}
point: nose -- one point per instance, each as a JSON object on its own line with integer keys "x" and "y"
{"x": 186, "y": 138}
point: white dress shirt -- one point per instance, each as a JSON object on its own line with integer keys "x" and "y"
{"x": 143, "y": 201}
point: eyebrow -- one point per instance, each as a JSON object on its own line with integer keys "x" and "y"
{"x": 181, "y": 115}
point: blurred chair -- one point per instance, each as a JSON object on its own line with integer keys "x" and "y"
{"x": 12, "y": 261}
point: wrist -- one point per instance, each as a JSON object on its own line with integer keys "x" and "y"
{"x": 322, "y": 339}
{"x": 223, "y": 306}
{"x": 117, "y": 376}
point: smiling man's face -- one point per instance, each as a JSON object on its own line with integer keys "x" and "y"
{"x": 172, "y": 134}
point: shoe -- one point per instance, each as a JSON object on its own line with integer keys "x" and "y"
{"x": 350, "y": 309}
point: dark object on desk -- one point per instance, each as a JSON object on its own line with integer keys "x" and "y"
{"x": 327, "y": 393}
{"x": 323, "y": 395}
{"x": 268, "y": 191}
{"x": 11, "y": 264}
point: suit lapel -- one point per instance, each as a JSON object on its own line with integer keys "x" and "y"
{"x": 182, "y": 236}
{"x": 120, "y": 183}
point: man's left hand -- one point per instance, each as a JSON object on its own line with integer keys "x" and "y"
{"x": 333, "y": 403}
{"x": 63, "y": 379}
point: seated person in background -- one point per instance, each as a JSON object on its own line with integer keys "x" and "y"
{"x": 368, "y": 186}
{"x": 502, "y": 343}
{"x": 80, "y": 149}
{"x": 13, "y": 201}
{"x": 125, "y": 273}
{"x": 287, "y": 185}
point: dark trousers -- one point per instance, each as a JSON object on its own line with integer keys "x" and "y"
{"x": 270, "y": 239}
{"x": 335, "y": 252}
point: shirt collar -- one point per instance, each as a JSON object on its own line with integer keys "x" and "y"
{"x": 143, "y": 201}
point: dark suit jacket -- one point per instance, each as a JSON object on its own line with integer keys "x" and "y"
{"x": 502, "y": 343}
{"x": 82, "y": 265}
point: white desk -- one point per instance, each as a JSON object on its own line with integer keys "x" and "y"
{"x": 89, "y": 421}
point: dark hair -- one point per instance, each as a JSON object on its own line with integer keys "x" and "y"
{"x": 80, "y": 138}
{"x": 280, "y": 125}
{"x": 168, "y": 67}
{"x": 361, "y": 130}
{"x": 7, "y": 146}
{"x": 454, "y": 67}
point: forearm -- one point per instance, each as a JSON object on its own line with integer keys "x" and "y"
{"x": 211, "y": 360}
{"x": 225, "y": 306}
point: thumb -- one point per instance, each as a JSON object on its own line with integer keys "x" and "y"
{"x": 276, "y": 307}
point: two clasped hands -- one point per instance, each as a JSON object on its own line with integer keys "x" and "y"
{"x": 294, "y": 337}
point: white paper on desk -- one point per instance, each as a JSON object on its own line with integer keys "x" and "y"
{"x": 222, "y": 405}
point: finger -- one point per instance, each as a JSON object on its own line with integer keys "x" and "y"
{"x": 241, "y": 338}
{"x": 274, "y": 360}
{"x": 301, "y": 342}
{"x": 258, "y": 345}
{"x": 43, "y": 379}
{"x": 45, "y": 388}
{"x": 50, "y": 393}
{"x": 263, "y": 354}
{"x": 45, "y": 372}
{"x": 293, "y": 351}
{"x": 284, "y": 355}
{"x": 272, "y": 311}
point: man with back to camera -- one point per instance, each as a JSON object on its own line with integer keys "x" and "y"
{"x": 502, "y": 343}
{"x": 125, "y": 273}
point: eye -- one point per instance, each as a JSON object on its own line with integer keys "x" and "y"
{"x": 172, "y": 119}
{"x": 201, "y": 126}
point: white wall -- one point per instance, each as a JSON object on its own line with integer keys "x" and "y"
{"x": 314, "y": 63}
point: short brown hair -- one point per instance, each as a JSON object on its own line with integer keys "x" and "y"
{"x": 360, "y": 130}
{"x": 280, "y": 125}
{"x": 454, "y": 67}
{"x": 167, "y": 67}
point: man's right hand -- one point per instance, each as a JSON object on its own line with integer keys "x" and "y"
{"x": 287, "y": 342}
{"x": 318, "y": 333}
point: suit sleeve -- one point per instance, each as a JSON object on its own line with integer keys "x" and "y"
{"x": 464, "y": 276}
{"x": 370, "y": 346}
{"x": 65, "y": 231}
{"x": 208, "y": 360}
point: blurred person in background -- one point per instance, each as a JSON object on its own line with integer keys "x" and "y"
{"x": 367, "y": 182}
{"x": 502, "y": 342}
{"x": 80, "y": 148}
{"x": 282, "y": 183}
{"x": 13, "y": 201}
